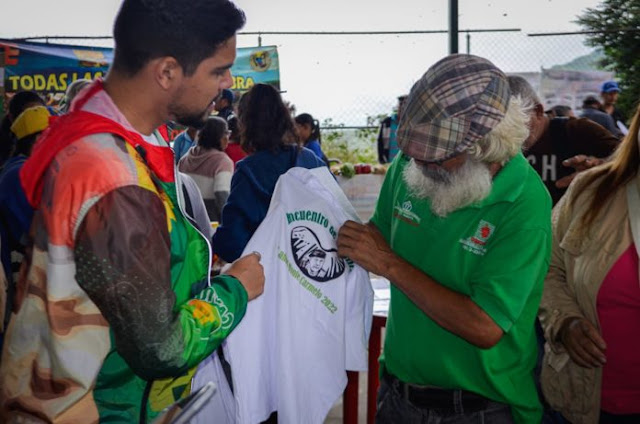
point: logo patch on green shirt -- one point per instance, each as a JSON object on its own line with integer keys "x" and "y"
{"x": 476, "y": 243}
{"x": 403, "y": 212}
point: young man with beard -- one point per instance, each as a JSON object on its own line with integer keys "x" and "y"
{"x": 116, "y": 308}
{"x": 462, "y": 230}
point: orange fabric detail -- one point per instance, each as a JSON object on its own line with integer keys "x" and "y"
{"x": 78, "y": 124}
{"x": 82, "y": 172}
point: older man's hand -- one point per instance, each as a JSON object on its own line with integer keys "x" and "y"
{"x": 365, "y": 245}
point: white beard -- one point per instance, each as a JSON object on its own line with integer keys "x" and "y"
{"x": 449, "y": 191}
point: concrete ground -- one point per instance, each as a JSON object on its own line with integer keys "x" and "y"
{"x": 335, "y": 415}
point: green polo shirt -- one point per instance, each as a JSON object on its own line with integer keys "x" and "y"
{"x": 496, "y": 252}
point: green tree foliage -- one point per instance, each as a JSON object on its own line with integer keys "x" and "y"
{"x": 616, "y": 29}
{"x": 348, "y": 145}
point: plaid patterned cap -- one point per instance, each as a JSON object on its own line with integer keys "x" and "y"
{"x": 455, "y": 103}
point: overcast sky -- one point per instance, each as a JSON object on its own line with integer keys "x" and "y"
{"x": 349, "y": 77}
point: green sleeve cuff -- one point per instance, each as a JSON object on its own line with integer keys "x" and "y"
{"x": 233, "y": 292}
{"x": 487, "y": 304}
{"x": 211, "y": 316}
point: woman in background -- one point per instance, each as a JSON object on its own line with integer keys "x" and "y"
{"x": 268, "y": 135}
{"x": 309, "y": 133}
{"x": 208, "y": 165}
{"x": 590, "y": 308}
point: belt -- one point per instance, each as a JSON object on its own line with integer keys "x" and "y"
{"x": 443, "y": 400}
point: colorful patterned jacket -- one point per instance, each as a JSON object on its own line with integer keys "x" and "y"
{"x": 115, "y": 307}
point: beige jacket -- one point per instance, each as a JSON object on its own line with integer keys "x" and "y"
{"x": 580, "y": 260}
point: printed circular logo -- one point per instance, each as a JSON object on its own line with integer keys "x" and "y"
{"x": 316, "y": 262}
{"x": 260, "y": 61}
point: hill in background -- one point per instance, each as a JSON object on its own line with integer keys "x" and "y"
{"x": 590, "y": 62}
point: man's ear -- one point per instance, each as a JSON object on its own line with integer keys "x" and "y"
{"x": 167, "y": 72}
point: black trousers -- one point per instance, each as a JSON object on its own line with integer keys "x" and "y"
{"x": 606, "y": 418}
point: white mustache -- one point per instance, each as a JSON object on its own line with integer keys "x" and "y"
{"x": 449, "y": 191}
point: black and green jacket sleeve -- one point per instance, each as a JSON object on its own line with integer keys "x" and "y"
{"x": 123, "y": 261}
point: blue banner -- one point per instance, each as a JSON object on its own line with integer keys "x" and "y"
{"x": 50, "y": 68}
{"x": 255, "y": 65}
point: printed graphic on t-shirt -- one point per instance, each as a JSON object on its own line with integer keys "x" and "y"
{"x": 315, "y": 261}
{"x": 313, "y": 246}
{"x": 547, "y": 167}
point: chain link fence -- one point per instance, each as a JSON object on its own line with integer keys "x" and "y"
{"x": 351, "y": 81}
{"x": 347, "y": 79}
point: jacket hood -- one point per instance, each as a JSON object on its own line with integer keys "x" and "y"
{"x": 199, "y": 160}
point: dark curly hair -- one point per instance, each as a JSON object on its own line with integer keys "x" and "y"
{"x": 265, "y": 121}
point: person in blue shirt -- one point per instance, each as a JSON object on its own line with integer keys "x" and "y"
{"x": 183, "y": 142}
{"x": 309, "y": 133}
{"x": 268, "y": 134}
{"x": 591, "y": 110}
{"x": 224, "y": 104}
{"x": 15, "y": 211}
{"x": 387, "y": 143}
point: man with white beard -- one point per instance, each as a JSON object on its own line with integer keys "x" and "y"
{"x": 462, "y": 229}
